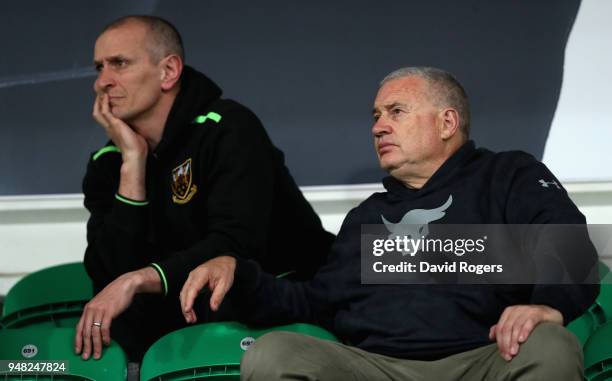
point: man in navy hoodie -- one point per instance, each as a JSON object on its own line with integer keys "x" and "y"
{"x": 420, "y": 331}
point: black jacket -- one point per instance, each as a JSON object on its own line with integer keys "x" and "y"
{"x": 215, "y": 185}
{"x": 425, "y": 321}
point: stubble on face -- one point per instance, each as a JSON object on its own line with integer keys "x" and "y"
{"x": 406, "y": 120}
{"x": 130, "y": 78}
{"x": 406, "y": 134}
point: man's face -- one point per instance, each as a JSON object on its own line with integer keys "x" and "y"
{"x": 126, "y": 73}
{"x": 407, "y": 125}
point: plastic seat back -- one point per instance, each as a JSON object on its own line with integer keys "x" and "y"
{"x": 599, "y": 313}
{"x": 604, "y": 300}
{"x": 42, "y": 344}
{"x": 54, "y": 297}
{"x": 598, "y": 354}
{"x": 210, "y": 350}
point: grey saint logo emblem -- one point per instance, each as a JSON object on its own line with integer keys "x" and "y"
{"x": 414, "y": 224}
{"x": 546, "y": 184}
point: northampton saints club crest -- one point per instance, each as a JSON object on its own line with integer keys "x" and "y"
{"x": 182, "y": 187}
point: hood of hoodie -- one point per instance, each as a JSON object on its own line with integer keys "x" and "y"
{"x": 196, "y": 93}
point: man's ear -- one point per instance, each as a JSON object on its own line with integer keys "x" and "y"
{"x": 449, "y": 123}
{"x": 171, "y": 69}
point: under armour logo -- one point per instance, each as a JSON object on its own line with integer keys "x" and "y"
{"x": 546, "y": 184}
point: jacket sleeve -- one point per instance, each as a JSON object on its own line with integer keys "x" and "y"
{"x": 564, "y": 256}
{"x": 238, "y": 166}
{"x": 238, "y": 196}
{"x": 265, "y": 300}
{"x": 118, "y": 238}
{"x": 238, "y": 171}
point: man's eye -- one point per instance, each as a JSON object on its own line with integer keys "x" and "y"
{"x": 119, "y": 63}
{"x": 98, "y": 68}
{"x": 396, "y": 111}
{"x": 376, "y": 117}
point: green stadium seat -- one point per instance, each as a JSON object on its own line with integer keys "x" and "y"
{"x": 603, "y": 270}
{"x": 598, "y": 354}
{"x": 53, "y": 297}
{"x": 584, "y": 326}
{"x": 45, "y": 344}
{"x": 209, "y": 351}
{"x": 599, "y": 313}
{"x": 604, "y": 300}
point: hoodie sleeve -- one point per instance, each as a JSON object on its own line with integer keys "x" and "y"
{"x": 565, "y": 258}
{"x": 266, "y": 300}
{"x": 238, "y": 196}
{"x": 117, "y": 230}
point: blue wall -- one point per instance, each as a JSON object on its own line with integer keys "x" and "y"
{"x": 308, "y": 69}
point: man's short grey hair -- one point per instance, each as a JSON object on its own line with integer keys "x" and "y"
{"x": 444, "y": 90}
{"x": 163, "y": 38}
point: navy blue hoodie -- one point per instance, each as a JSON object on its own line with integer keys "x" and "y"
{"x": 424, "y": 322}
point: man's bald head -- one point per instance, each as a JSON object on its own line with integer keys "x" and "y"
{"x": 162, "y": 39}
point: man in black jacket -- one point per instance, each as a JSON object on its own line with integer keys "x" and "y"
{"x": 423, "y": 331}
{"x": 186, "y": 176}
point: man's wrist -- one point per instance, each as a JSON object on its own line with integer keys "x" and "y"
{"x": 134, "y": 167}
{"x": 553, "y": 315}
{"x": 135, "y": 156}
{"x": 132, "y": 182}
{"x": 147, "y": 281}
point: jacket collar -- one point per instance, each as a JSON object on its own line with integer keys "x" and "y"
{"x": 197, "y": 92}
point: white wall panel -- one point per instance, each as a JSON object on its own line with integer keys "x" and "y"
{"x": 41, "y": 231}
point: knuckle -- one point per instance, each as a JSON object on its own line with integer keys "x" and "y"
{"x": 193, "y": 274}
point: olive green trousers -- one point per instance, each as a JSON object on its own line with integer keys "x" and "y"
{"x": 550, "y": 353}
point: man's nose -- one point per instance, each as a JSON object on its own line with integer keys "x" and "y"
{"x": 104, "y": 81}
{"x": 381, "y": 127}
